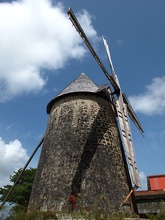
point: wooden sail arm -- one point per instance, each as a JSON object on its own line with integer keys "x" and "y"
{"x": 82, "y": 34}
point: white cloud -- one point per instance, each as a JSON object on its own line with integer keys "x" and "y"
{"x": 85, "y": 18}
{"x": 35, "y": 35}
{"x": 153, "y": 100}
{"x": 13, "y": 157}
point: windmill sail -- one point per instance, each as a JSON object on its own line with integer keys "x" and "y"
{"x": 123, "y": 109}
{"x": 131, "y": 112}
{"x": 122, "y": 114}
{"x": 79, "y": 29}
{"x": 110, "y": 61}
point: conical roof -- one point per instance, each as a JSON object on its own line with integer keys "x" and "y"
{"x": 81, "y": 84}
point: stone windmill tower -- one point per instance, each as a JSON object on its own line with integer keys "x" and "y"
{"x": 87, "y": 159}
{"x": 82, "y": 153}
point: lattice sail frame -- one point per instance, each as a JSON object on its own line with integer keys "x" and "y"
{"x": 127, "y": 140}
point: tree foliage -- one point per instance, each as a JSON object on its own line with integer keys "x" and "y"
{"x": 21, "y": 192}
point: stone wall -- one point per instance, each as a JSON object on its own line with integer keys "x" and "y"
{"x": 81, "y": 156}
{"x": 151, "y": 207}
{"x": 150, "y": 202}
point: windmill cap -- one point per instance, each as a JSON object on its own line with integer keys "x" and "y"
{"x": 82, "y": 84}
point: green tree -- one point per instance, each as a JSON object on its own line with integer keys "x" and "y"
{"x": 21, "y": 192}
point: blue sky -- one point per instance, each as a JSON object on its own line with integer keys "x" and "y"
{"x": 41, "y": 53}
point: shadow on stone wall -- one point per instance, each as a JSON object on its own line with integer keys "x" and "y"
{"x": 97, "y": 131}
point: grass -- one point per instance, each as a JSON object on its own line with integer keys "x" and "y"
{"x": 81, "y": 214}
{"x": 85, "y": 214}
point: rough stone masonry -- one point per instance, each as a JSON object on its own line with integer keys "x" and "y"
{"x": 82, "y": 154}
